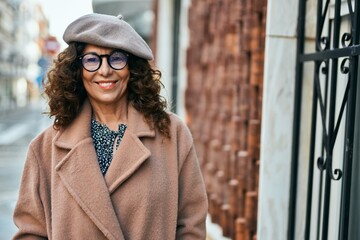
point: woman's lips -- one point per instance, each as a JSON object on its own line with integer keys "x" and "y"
{"x": 107, "y": 84}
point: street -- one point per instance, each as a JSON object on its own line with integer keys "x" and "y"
{"x": 17, "y": 128}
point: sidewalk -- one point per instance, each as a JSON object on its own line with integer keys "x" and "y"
{"x": 214, "y": 231}
{"x": 17, "y": 127}
{"x": 18, "y": 122}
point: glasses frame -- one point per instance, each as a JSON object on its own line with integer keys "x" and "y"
{"x": 101, "y": 58}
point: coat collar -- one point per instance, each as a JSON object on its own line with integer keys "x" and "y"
{"x": 80, "y": 173}
{"x": 79, "y": 129}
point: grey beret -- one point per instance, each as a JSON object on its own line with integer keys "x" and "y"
{"x": 107, "y": 31}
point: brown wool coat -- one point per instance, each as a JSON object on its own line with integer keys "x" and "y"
{"x": 153, "y": 188}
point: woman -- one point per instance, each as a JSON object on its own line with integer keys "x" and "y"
{"x": 115, "y": 164}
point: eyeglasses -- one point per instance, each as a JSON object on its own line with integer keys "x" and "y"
{"x": 92, "y": 61}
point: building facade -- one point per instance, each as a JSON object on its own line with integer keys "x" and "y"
{"x": 22, "y": 28}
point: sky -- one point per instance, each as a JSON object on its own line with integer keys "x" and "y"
{"x": 61, "y": 13}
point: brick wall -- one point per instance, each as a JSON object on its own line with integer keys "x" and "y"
{"x": 223, "y": 102}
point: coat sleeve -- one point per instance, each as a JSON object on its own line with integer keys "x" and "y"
{"x": 29, "y": 214}
{"x": 193, "y": 204}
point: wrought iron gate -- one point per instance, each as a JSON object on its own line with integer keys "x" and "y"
{"x": 336, "y": 57}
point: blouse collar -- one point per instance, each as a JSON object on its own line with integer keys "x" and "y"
{"x": 79, "y": 129}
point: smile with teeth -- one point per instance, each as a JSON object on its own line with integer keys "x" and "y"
{"x": 107, "y": 85}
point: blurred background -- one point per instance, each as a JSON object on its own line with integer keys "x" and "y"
{"x": 267, "y": 87}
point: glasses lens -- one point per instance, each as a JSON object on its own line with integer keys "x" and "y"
{"x": 117, "y": 60}
{"x": 91, "y": 62}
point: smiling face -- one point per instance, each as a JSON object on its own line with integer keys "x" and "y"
{"x": 105, "y": 86}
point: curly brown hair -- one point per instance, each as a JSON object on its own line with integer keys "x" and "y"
{"x": 66, "y": 93}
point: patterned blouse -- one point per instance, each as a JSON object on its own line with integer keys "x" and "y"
{"x": 104, "y": 139}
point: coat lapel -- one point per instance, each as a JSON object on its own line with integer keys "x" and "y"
{"x": 132, "y": 153}
{"x": 79, "y": 171}
{"x": 127, "y": 159}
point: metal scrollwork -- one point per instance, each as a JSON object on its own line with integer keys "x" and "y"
{"x": 325, "y": 163}
{"x": 324, "y": 69}
{"x": 321, "y": 163}
{"x": 336, "y": 59}
{"x": 337, "y": 173}
{"x": 346, "y": 39}
{"x": 324, "y": 43}
{"x": 344, "y": 66}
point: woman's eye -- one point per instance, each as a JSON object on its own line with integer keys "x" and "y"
{"x": 92, "y": 59}
{"x": 118, "y": 57}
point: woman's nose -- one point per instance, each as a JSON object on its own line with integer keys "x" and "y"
{"x": 105, "y": 68}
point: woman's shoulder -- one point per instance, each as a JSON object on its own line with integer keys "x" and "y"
{"x": 176, "y": 120}
{"x": 44, "y": 138}
{"x": 178, "y": 126}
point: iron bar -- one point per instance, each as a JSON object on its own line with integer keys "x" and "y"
{"x": 317, "y": 89}
{"x": 331, "y": 54}
{"x": 297, "y": 115}
{"x": 349, "y": 129}
{"x": 320, "y": 18}
{"x": 351, "y": 12}
{"x": 321, "y": 177}
{"x": 311, "y": 157}
{"x": 336, "y": 34}
{"x": 332, "y": 143}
